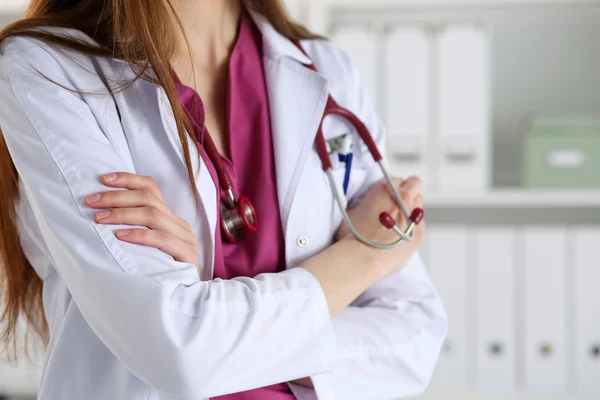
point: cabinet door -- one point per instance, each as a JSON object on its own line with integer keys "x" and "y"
{"x": 447, "y": 247}
{"x": 544, "y": 273}
{"x": 494, "y": 303}
{"x": 587, "y": 311}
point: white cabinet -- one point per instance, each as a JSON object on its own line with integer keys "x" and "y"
{"x": 544, "y": 275}
{"x": 448, "y": 254}
{"x": 523, "y": 309}
{"x": 586, "y": 291}
{"x": 494, "y": 303}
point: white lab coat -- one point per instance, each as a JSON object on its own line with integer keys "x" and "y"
{"x": 129, "y": 322}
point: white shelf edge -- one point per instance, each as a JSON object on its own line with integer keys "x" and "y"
{"x": 515, "y": 198}
{"x": 516, "y": 395}
{"x": 449, "y": 3}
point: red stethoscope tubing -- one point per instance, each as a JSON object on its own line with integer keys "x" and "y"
{"x": 332, "y": 108}
{"x": 215, "y": 158}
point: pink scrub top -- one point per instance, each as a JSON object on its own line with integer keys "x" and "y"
{"x": 252, "y": 172}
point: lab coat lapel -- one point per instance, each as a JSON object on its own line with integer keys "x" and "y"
{"x": 204, "y": 183}
{"x": 297, "y": 98}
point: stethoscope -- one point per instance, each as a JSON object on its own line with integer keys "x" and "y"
{"x": 236, "y": 215}
{"x": 239, "y": 215}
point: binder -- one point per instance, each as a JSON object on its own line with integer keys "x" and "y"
{"x": 587, "y": 311}
{"x": 494, "y": 301}
{"x": 544, "y": 274}
{"x": 448, "y": 257}
{"x": 408, "y": 101}
{"x": 463, "y": 121}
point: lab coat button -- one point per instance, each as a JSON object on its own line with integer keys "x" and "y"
{"x": 302, "y": 241}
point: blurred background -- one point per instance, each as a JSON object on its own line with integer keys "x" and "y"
{"x": 496, "y": 105}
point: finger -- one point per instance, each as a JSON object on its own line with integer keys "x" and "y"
{"x": 414, "y": 181}
{"x": 133, "y": 198}
{"x": 164, "y": 241}
{"x": 396, "y": 181}
{"x": 411, "y": 187}
{"x": 418, "y": 201}
{"x": 133, "y": 182}
{"x": 183, "y": 224}
{"x": 126, "y": 198}
{"x": 150, "y": 217}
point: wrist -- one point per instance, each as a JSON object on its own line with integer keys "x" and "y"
{"x": 372, "y": 258}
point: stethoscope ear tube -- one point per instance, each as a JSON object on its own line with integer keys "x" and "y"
{"x": 414, "y": 219}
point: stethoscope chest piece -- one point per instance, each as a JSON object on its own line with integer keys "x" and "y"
{"x": 237, "y": 217}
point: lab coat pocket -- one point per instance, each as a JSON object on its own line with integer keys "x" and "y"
{"x": 357, "y": 180}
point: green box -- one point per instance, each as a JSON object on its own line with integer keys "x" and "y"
{"x": 562, "y": 151}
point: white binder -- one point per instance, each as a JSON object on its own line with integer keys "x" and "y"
{"x": 408, "y": 105}
{"x": 587, "y": 311}
{"x": 494, "y": 300}
{"x": 361, "y": 45}
{"x": 464, "y": 121}
{"x": 544, "y": 274}
{"x": 448, "y": 254}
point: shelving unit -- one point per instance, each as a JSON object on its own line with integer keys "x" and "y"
{"x": 316, "y": 12}
{"x": 514, "y": 198}
{"x": 444, "y": 3}
{"x": 504, "y": 252}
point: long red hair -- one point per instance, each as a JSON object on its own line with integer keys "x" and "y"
{"x": 140, "y": 32}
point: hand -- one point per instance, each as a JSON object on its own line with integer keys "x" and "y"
{"x": 143, "y": 205}
{"x": 365, "y": 217}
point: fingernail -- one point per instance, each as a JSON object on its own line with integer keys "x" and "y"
{"x": 102, "y": 214}
{"x": 124, "y": 232}
{"x": 110, "y": 177}
{"x": 93, "y": 198}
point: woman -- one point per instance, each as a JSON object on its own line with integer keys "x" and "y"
{"x": 114, "y": 252}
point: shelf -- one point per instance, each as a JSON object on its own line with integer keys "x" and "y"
{"x": 516, "y": 198}
{"x": 489, "y": 396}
{"x": 447, "y": 3}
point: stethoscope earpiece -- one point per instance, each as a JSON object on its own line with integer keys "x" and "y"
{"x": 415, "y": 219}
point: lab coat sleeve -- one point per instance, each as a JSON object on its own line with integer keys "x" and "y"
{"x": 184, "y": 337}
{"x": 390, "y": 338}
